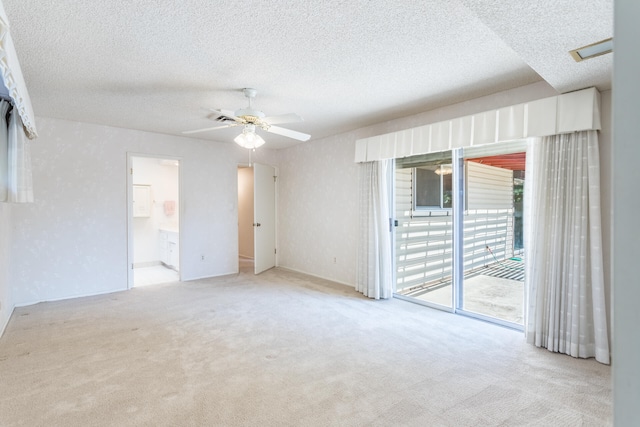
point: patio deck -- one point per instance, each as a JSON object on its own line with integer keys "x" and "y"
{"x": 495, "y": 290}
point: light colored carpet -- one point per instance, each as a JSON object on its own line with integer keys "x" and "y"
{"x": 281, "y": 349}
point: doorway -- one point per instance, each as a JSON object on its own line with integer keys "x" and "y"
{"x": 256, "y": 217}
{"x": 493, "y": 259}
{"x": 245, "y": 219}
{"x": 154, "y": 220}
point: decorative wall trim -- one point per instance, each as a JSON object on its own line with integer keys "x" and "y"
{"x": 570, "y": 112}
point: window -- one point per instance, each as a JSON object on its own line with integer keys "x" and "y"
{"x": 432, "y": 187}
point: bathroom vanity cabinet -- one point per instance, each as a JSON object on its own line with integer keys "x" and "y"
{"x": 170, "y": 248}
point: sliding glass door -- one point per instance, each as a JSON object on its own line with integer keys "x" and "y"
{"x": 458, "y": 235}
{"x": 492, "y": 283}
{"x": 424, "y": 229}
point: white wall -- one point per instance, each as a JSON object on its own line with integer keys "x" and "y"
{"x": 73, "y": 240}
{"x": 163, "y": 180}
{"x": 318, "y": 208}
{"x": 245, "y": 212}
{"x": 626, "y": 205}
{"x": 6, "y": 301}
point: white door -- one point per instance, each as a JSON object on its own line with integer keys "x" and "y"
{"x": 264, "y": 208}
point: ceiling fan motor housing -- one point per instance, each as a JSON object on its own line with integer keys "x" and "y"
{"x": 249, "y": 114}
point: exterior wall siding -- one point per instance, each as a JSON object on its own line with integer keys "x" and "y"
{"x": 423, "y": 244}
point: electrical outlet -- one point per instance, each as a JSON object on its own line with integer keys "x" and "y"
{"x": 201, "y": 257}
{"x": 335, "y": 261}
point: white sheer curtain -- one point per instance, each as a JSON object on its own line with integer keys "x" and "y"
{"x": 20, "y": 184}
{"x": 566, "y": 310}
{"x": 11, "y": 77}
{"x": 374, "y": 270}
{"x": 4, "y": 150}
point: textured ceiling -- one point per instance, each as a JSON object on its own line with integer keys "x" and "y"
{"x": 156, "y": 65}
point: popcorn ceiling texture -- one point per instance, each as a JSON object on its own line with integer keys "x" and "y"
{"x": 546, "y": 30}
{"x": 156, "y": 65}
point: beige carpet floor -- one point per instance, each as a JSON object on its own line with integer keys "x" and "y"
{"x": 281, "y": 349}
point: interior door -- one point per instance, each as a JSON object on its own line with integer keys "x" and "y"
{"x": 264, "y": 205}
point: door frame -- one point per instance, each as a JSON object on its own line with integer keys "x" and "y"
{"x": 458, "y": 156}
{"x": 130, "y": 242}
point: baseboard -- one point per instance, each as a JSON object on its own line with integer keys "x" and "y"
{"x": 319, "y": 277}
{"x": 5, "y": 322}
{"x": 209, "y": 277}
{"x": 146, "y": 264}
{"x": 111, "y": 291}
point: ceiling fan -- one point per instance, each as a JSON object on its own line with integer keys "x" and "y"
{"x": 251, "y": 119}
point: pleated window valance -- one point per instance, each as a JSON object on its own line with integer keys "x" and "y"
{"x": 570, "y": 112}
{"x": 12, "y": 78}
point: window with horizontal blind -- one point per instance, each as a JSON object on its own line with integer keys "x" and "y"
{"x": 432, "y": 187}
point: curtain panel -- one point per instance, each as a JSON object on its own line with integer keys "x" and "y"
{"x": 20, "y": 182}
{"x": 12, "y": 79}
{"x": 565, "y": 300}
{"x": 4, "y": 150}
{"x": 374, "y": 275}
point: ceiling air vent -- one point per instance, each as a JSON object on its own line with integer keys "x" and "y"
{"x": 592, "y": 50}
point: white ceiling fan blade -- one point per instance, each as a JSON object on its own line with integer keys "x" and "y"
{"x": 187, "y": 132}
{"x": 283, "y": 118}
{"x": 288, "y": 133}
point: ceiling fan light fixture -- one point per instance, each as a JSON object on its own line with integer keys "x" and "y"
{"x": 249, "y": 138}
{"x": 250, "y": 119}
{"x": 444, "y": 170}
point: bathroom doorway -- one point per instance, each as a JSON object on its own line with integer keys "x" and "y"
{"x": 154, "y": 220}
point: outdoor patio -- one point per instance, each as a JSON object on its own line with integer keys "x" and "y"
{"x": 496, "y": 290}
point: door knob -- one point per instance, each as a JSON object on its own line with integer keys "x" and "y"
{"x": 256, "y": 224}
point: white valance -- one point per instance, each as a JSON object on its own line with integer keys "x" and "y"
{"x": 570, "y": 112}
{"x": 11, "y": 74}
